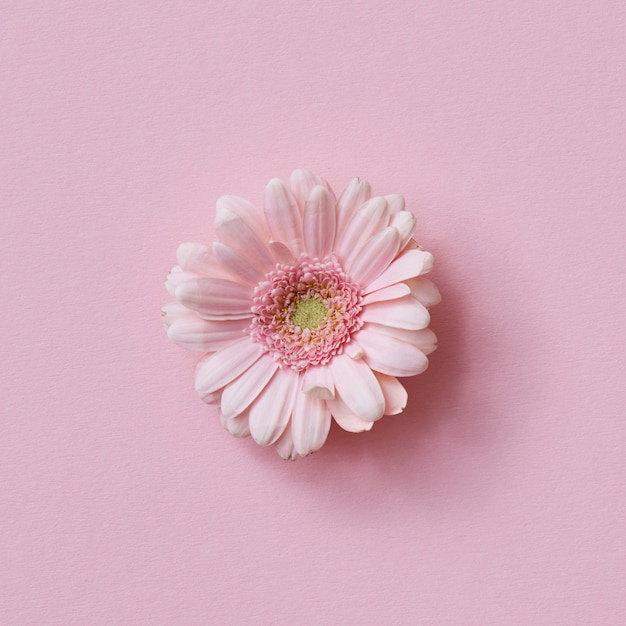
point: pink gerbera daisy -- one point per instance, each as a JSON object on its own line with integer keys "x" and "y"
{"x": 307, "y": 311}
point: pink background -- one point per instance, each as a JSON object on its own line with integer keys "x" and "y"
{"x": 498, "y": 497}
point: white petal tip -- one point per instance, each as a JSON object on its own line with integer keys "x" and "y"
{"x": 429, "y": 261}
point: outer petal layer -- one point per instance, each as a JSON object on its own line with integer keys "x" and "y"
{"x": 357, "y": 386}
{"x": 270, "y": 413}
{"x": 408, "y": 265}
{"x": 346, "y": 419}
{"x": 215, "y": 296}
{"x": 216, "y": 370}
{"x": 194, "y": 333}
{"x": 239, "y": 395}
{"x": 395, "y": 394}
{"x": 283, "y": 216}
{"x": 319, "y": 223}
{"x": 406, "y": 312}
{"x": 310, "y": 424}
{"x": 391, "y": 356}
{"x": 355, "y": 194}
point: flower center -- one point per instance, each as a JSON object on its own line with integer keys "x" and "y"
{"x": 309, "y": 313}
{"x": 305, "y": 313}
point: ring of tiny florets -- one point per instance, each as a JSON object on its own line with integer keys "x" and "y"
{"x": 283, "y": 295}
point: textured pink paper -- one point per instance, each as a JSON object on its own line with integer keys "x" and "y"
{"x": 498, "y": 497}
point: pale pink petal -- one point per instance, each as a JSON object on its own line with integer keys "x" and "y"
{"x": 281, "y": 253}
{"x": 355, "y": 194}
{"x": 285, "y": 447}
{"x": 395, "y": 394}
{"x": 175, "y": 311}
{"x": 391, "y": 356}
{"x": 310, "y": 424}
{"x": 195, "y": 257}
{"x": 241, "y": 392}
{"x": 302, "y": 182}
{"x": 387, "y": 293}
{"x": 237, "y": 426}
{"x": 236, "y": 233}
{"x": 319, "y": 223}
{"x": 318, "y": 382}
{"x": 271, "y": 411}
{"x": 353, "y": 349}
{"x": 424, "y": 290}
{"x": 237, "y": 265}
{"x": 177, "y": 277}
{"x": 396, "y": 204}
{"x": 375, "y": 256}
{"x": 225, "y": 317}
{"x": 213, "y": 398}
{"x": 346, "y": 419}
{"x": 406, "y": 312}
{"x": 408, "y": 265}
{"x": 366, "y": 221}
{"x": 324, "y": 183}
{"x": 216, "y": 370}
{"x": 283, "y": 216}
{"x": 405, "y": 222}
{"x": 356, "y": 384}
{"x": 211, "y": 296}
{"x": 249, "y": 213}
{"x": 201, "y": 335}
{"x": 424, "y": 339}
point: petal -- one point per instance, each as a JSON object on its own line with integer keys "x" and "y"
{"x": 424, "y": 339}
{"x": 318, "y": 382}
{"x": 174, "y": 311}
{"x": 388, "y": 293}
{"x": 237, "y": 426}
{"x": 281, "y": 253}
{"x": 215, "y": 296}
{"x": 396, "y": 203}
{"x": 218, "y": 369}
{"x": 310, "y": 424}
{"x": 283, "y": 216}
{"x": 236, "y": 264}
{"x": 424, "y": 290}
{"x": 390, "y": 355}
{"x": 395, "y": 394}
{"x": 367, "y": 221}
{"x": 245, "y": 210}
{"x": 356, "y": 384}
{"x": 270, "y": 413}
{"x": 285, "y": 447}
{"x": 319, "y": 223}
{"x": 375, "y": 257}
{"x": 239, "y": 394}
{"x": 236, "y": 233}
{"x": 195, "y": 333}
{"x": 302, "y": 182}
{"x": 346, "y": 419}
{"x": 404, "y": 221}
{"x": 408, "y": 265}
{"x": 406, "y": 312}
{"x": 353, "y": 349}
{"x": 355, "y": 194}
{"x": 177, "y": 277}
{"x": 195, "y": 257}
{"x": 213, "y": 398}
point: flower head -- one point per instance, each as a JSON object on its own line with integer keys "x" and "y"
{"x": 307, "y": 311}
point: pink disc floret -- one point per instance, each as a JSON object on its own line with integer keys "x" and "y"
{"x": 316, "y": 291}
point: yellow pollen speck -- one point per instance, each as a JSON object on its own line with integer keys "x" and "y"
{"x": 309, "y": 313}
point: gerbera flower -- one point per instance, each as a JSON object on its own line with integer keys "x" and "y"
{"x": 307, "y": 311}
